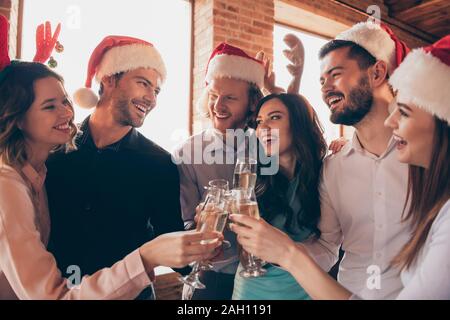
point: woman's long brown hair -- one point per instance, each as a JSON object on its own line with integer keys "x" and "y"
{"x": 428, "y": 190}
{"x": 16, "y": 97}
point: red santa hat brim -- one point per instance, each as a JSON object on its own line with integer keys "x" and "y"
{"x": 377, "y": 41}
{"x": 423, "y": 80}
{"x": 236, "y": 67}
{"x": 130, "y": 57}
{"x": 116, "y": 54}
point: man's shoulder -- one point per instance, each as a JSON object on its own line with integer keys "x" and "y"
{"x": 152, "y": 156}
{"x": 338, "y": 164}
{"x": 195, "y": 139}
{"x": 192, "y": 145}
{"x": 338, "y": 157}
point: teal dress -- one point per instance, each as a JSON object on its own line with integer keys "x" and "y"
{"x": 276, "y": 284}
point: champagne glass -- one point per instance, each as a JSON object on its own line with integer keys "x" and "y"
{"x": 212, "y": 217}
{"x": 219, "y": 183}
{"x": 224, "y": 185}
{"x": 246, "y": 204}
{"x": 245, "y": 173}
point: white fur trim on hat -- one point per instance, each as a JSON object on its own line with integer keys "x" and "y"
{"x": 130, "y": 57}
{"x": 85, "y": 98}
{"x": 374, "y": 39}
{"x": 236, "y": 67}
{"x": 424, "y": 80}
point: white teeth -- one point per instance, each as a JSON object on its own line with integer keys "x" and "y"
{"x": 400, "y": 140}
{"x": 141, "y": 108}
{"x": 62, "y": 126}
{"x": 334, "y": 99}
{"x": 221, "y": 116}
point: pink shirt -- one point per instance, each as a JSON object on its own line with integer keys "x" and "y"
{"x": 28, "y": 270}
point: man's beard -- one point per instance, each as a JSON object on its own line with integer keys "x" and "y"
{"x": 359, "y": 104}
{"x": 122, "y": 114}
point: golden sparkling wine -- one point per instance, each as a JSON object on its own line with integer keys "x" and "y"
{"x": 250, "y": 209}
{"x": 211, "y": 220}
{"x": 244, "y": 180}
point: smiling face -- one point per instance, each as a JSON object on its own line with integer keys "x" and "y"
{"x": 134, "y": 95}
{"x": 414, "y": 132}
{"x": 273, "y": 128}
{"x": 345, "y": 87}
{"x": 48, "y": 122}
{"x": 228, "y": 103}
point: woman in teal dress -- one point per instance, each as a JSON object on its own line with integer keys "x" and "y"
{"x": 289, "y": 131}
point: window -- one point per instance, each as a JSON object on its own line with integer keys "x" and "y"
{"x": 86, "y": 23}
{"x": 310, "y": 85}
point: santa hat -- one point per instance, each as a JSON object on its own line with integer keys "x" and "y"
{"x": 4, "y": 56}
{"x": 117, "y": 54}
{"x": 379, "y": 40}
{"x": 227, "y": 61}
{"x": 423, "y": 79}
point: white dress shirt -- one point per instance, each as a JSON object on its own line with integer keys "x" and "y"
{"x": 362, "y": 200}
{"x": 429, "y": 277}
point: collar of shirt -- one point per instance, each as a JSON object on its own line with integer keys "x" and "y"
{"x": 129, "y": 141}
{"x": 36, "y": 179}
{"x": 218, "y": 143}
{"x": 355, "y": 146}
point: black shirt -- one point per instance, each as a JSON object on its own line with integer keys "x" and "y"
{"x": 105, "y": 203}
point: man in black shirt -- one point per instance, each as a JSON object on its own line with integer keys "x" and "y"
{"x": 119, "y": 189}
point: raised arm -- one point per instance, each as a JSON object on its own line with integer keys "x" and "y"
{"x": 272, "y": 245}
{"x": 32, "y": 271}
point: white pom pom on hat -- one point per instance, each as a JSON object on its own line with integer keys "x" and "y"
{"x": 85, "y": 98}
{"x": 117, "y": 54}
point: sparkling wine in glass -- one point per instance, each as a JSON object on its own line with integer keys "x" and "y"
{"x": 213, "y": 217}
{"x": 246, "y": 204}
{"x": 245, "y": 173}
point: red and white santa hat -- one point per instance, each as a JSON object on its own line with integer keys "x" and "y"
{"x": 227, "y": 61}
{"x": 379, "y": 40}
{"x": 423, "y": 79}
{"x": 117, "y": 54}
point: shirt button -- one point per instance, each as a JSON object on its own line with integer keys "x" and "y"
{"x": 378, "y": 255}
{"x": 380, "y": 226}
{"x": 379, "y": 194}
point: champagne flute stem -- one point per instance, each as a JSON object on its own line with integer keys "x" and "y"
{"x": 196, "y": 267}
{"x": 251, "y": 258}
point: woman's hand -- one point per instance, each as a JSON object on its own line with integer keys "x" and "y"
{"x": 45, "y": 42}
{"x": 337, "y": 145}
{"x": 261, "y": 239}
{"x": 178, "y": 249}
